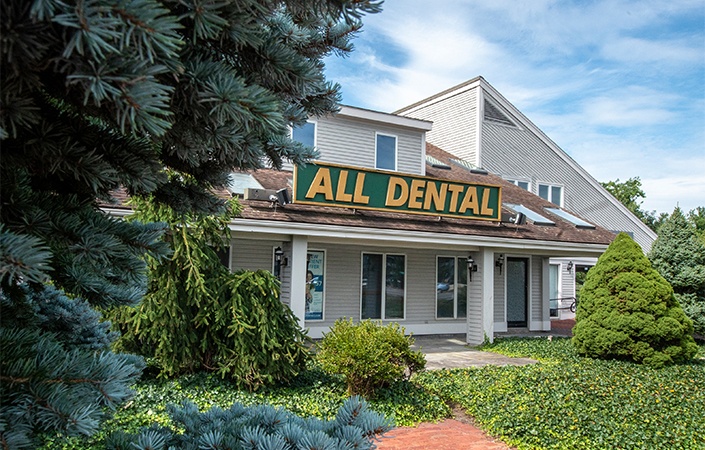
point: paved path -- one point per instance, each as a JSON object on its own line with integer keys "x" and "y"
{"x": 458, "y": 433}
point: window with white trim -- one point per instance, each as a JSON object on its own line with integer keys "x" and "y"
{"x": 552, "y": 193}
{"x": 451, "y": 287}
{"x": 521, "y": 183}
{"x": 386, "y": 152}
{"x": 383, "y": 286}
{"x": 305, "y": 134}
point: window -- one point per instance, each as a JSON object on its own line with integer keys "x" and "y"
{"x": 521, "y": 183}
{"x": 305, "y": 134}
{"x": 383, "y": 286}
{"x": 535, "y": 217}
{"x": 386, "y": 152}
{"x": 554, "y": 300}
{"x": 451, "y": 287}
{"x": 315, "y": 285}
{"x": 223, "y": 255}
{"x": 552, "y": 193}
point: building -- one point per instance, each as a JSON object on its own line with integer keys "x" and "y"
{"x": 474, "y": 122}
{"x": 387, "y": 226}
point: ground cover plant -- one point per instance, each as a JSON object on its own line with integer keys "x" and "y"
{"x": 570, "y": 402}
{"x": 310, "y": 394}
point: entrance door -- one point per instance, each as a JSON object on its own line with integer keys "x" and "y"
{"x": 517, "y": 291}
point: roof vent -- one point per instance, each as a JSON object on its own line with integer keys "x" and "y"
{"x": 495, "y": 114}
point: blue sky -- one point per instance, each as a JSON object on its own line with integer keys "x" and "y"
{"x": 619, "y": 85}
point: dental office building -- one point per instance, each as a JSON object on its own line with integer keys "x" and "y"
{"x": 386, "y": 226}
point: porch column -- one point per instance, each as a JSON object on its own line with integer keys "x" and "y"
{"x": 297, "y": 262}
{"x": 487, "y": 269}
{"x": 543, "y": 323}
{"x": 480, "y": 323}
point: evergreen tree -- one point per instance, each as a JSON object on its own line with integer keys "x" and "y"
{"x": 628, "y": 311}
{"x": 161, "y": 97}
{"x": 198, "y": 316}
{"x": 679, "y": 256}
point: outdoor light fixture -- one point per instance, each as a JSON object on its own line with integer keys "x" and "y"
{"x": 499, "y": 263}
{"x": 472, "y": 267}
{"x": 570, "y": 267}
{"x": 279, "y": 261}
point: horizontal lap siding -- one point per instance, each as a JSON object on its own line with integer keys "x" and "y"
{"x": 343, "y": 272}
{"x": 454, "y": 124}
{"x": 499, "y": 300}
{"x": 353, "y": 142}
{"x": 252, "y": 254}
{"x": 514, "y": 152}
{"x": 536, "y": 288}
{"x": 475, "y": 329}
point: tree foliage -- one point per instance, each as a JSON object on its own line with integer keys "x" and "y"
{"x": 197, "y": 316}
{"x": 679, "y": 256}
{"x": 630, "y": 194}
{"x": 161, "y": 97}
{"x": 628, "y": 311}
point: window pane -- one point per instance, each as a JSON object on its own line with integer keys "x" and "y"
{"x": 523, "y": 184}
{"x": 394, "y": 288}
{"x": 371, "y": 286}
{"x": 462, "y": 291}
{"x": 556, "y": 195}
{"x": 543, "y": 191}
{"x": 386, "y": 152}
{"x": 553, "y": 289}
{"x": 306, "y": 134}
{"x": 445, "y": 287}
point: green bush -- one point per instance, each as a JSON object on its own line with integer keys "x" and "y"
{"x": 368, "y": 355}
{"x": 262, "y": 426}
{"x": 628, "y": 311}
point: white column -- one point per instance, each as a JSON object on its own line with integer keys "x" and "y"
{"x": 545, "y": 294}
{"x": 487, "y": 268}
{"x": 297, "y": 262}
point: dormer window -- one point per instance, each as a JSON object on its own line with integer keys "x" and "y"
{"x": 552, "y": 193}
{"x": 386, "y": 152}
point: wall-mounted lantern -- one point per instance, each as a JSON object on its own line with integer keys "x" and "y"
{"x": 279, "y": 261}
{"x": 472, "y": 267}
{"x": 570, "y": 266}
{"x": 499, "y": 263}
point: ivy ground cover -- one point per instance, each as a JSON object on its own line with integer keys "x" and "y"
{"x": 569, "y": 402}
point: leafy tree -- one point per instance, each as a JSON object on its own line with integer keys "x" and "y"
{"x": 162, "y": 97}
{"x": 197, "y": 316}
{"x": 679, "y": 256}
{"x": 630, "y": 194}
{"x": 628, "y": 311}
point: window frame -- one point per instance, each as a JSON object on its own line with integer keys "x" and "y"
{"x": 315, "y": 133}
{"x": 550, "y": 187}
{"x": 396, "y": 150}
{"x": 457, "y": 266}
{"x": 383, "y": 293}
{"x": 324, "y": 282}
{"x": 515, "y": 181}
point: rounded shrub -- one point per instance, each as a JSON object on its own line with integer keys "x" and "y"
{"x": 368, "y": 354}
{"x": 628, "y": 311}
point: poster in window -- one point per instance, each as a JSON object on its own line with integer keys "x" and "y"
{"x": 314, "y": 285}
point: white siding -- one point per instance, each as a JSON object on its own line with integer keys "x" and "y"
{"x": 475, "y": 330}
{"x": 515, "y": 152}
{"x": 536, "y": 289}
{"x": 454, "y": 124}
{"x": 499, "y": 295}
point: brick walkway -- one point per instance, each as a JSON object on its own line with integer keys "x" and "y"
{"x": 458, "y": 433}
{"x": 450, "y": 434}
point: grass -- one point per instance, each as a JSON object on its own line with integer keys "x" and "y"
{"x": 564, "y": 402}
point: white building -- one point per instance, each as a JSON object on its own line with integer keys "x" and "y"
{"x": 474, "y": 122}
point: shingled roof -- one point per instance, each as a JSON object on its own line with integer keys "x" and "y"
{"x": 562, "y": 231}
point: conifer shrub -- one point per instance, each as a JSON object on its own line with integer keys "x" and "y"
{"x": 628, "y": 311}
{"x": 259, "y": 427}
{"x": 369, "y": 355}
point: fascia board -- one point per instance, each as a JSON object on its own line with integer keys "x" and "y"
{"x": 385, "y": 118}
{"x": 414, "y": 238}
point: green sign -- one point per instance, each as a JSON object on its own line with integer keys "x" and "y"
{"x": 348, "y": 187}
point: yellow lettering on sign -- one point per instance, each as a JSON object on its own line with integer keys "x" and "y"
{"x": 434, "y": 195}
{"x": 395, "y": 182}
{"x": 359, "y": 184}
{"x": 486, "y": 210}
{"x": 470, "y": 201}
{"x": 455, "y": 190}
{"x": 321, "y": 184}
{"x": 340, "y": 194}
{"x": 416, "y": 193}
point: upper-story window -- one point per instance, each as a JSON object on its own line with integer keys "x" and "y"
{"x": 521, "y": 183}
{"x": 552, "y": 193}
{"x": 305, "y": 134}
{"x": 386, "y": 152}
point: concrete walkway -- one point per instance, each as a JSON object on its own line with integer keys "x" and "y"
{"x": 452, "y": 352}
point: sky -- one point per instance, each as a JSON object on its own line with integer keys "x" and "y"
{"x": 618, "y": 85}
